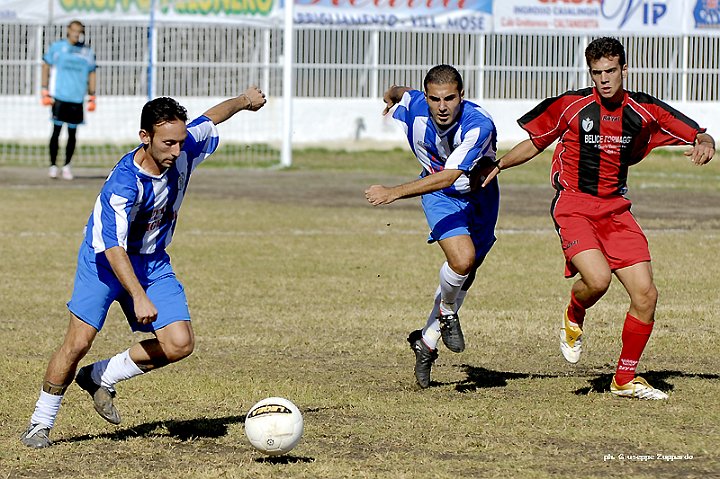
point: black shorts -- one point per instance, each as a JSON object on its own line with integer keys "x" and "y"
{"x": 65, "y": 112}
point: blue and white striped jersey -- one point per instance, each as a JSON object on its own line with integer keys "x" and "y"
{"x": 138, "y": 211}
{"x": 472, "y": 137}
{"x": 71, "y": 66}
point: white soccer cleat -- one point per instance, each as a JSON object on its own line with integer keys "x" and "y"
{"x": 637, "y": 388}
{"x": 53, "y": 172}
{"x": 67, "y": 173}
{"x": 570, "y": 341}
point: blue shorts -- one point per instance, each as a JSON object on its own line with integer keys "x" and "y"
{"x": 96, "y": 288}
{"x": 474, "y": 214}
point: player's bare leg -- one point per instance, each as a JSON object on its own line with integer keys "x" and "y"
{"x": 58, "y": 376}
{"x": 595, "y": 278}
{"x": 172, "y": 343}
{"x": 638, "y": 282}
{"x": 639, "y": 321}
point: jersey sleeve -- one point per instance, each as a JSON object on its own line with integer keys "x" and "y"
{"x": 112, "y": 211}
{"x": 670, "y": 126}
{"x": 49, "y": 56}
{"x": 545, "y": 123}
{"x": 407, "y": 109}
{"x": 202, "y": 141}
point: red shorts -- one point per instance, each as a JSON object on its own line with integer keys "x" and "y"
{"x": 586, "y": 222}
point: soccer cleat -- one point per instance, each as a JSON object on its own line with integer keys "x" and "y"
{"x": 67, "y": 173}
{"x": 36, "y": 436}
{"x": 452, "y": 335}
{"x": 102, "y": 396}
{"x": 637, "y": 388}
{"x": 53, "y": 171}
{"x": 570, "y": 341}
{"x": 424, "y": 358}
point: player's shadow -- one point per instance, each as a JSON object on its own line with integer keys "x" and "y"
{"x": 284, "y": 459}
{"x": 658, "y": 379}
{"x": 183, "y": 430}
{"x": 482, "y": 378}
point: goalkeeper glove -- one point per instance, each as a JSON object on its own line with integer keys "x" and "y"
{"x": 91, "y": 103}
{"x": 46, "y": 99}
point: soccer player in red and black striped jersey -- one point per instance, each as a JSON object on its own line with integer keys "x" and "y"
{"x": 600, "y": 132}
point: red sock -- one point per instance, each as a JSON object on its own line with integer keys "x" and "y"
{"x": 635, "y": 336}
{"x": 576, "y": 311}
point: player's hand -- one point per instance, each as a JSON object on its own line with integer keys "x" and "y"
{"x": 91, "y": 103}
{"x": 389, "y": 97}
{"x": 489, "y": 175}
{"x": 379, "y": 195}
{"x": 703, "y": 150}
{"x": 145, "y": 311}
{"x": 255, "y": 97}
{"x": 46, "y": 99}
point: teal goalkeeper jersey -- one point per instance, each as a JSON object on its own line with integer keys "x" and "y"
{"x": 70, "y": 67}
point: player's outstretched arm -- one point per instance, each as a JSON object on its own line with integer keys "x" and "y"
{"x": 384, "y": 195}
{"x": 392, "y": 96}
{"x": 520, "y": 153}
{"x": 703, "y": 150}
{"x": 251, "y": 99}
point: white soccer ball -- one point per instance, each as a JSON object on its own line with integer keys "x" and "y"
{"x": 274, "y": 426}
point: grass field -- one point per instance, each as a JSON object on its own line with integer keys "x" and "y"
{"x": 300, "y": 289}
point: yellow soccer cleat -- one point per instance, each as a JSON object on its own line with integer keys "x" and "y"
{"x": 637, "y": 388}
{"x": 570, "y": 341}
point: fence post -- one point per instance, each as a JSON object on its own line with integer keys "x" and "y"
{"x": 288, "y": 57}
{"x": 152, "y": 51}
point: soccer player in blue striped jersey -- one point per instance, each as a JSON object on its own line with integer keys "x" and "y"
{"x": 455, "y": 142}
{"x": 123, "y": 258}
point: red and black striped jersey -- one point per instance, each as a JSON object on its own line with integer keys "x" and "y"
{"x": 598, "y": 143}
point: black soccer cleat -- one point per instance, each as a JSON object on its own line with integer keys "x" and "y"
{"x": 424, "y": 358}
{"x": 451, "y": 332}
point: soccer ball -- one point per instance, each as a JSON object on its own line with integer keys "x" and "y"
{"x": 274, "y": 426}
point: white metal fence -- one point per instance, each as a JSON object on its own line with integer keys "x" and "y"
{"x": 215, "y": 61}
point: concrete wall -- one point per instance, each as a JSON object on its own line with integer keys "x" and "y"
{"x": 334, "y": 123}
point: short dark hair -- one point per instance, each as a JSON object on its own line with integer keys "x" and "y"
{"x": 159, "y": 111}
{"x": 605, "y": 47}
{"x": 76, "y": 22}
{"x": 442, "y": 74}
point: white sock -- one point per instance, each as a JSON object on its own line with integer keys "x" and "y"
{"x": 431, "y": 334}
{"x": 46, "y": 409}
{"x": 109, "y": 372}
{"x": 450, "y": 286}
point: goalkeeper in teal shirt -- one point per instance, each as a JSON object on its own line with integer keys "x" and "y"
{"x": 68, "y": 74}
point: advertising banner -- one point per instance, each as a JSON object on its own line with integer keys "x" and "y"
{"x": 591, "y": 17}
{"x": 471, "y": 16}
{"x": 660, "y": 17}
{"x": 24, "y": 11}
{"x": 704, "y": 17}
{"x": 261, "y": 12}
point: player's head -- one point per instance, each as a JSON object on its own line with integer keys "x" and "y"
{"x": 605, "y": 58}
{"x": 605, "y": 47}
{"x": 444, "y": 93}
{"x": 163, "y": 130}
{"x": 76, "y": 32}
